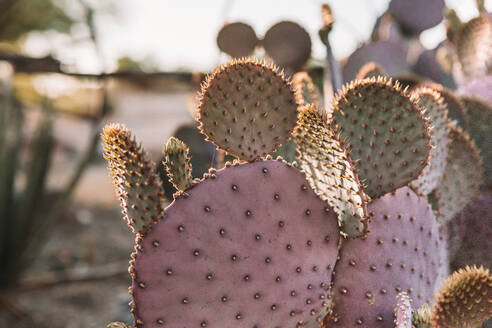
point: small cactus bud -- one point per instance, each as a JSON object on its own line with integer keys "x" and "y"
{"x": 178, "y": 164}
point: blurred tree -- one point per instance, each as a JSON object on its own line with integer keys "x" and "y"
{"x": 129, "y": 64}
{"x": 19, "y": 17}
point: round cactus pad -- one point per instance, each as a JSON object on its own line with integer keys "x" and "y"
{"x": 416, "y": 16}
{"x": 251, "y": 245}
{"x": 390, "y": 55}
{"x": 288, "y": 44}
{"x": 388, "y": 135}
{"x": 401, "y": 253}
{"x": 247, "y": 108}
{"x": 237, "y": 39}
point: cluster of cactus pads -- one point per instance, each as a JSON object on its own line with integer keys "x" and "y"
{"x": 347, "y": 237}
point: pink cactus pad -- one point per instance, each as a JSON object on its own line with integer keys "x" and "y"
{"x": 250, "y": 246}
{"x": 400, "y": 254}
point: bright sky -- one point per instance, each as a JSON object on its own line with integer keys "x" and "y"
{"x": 177, "y": 34}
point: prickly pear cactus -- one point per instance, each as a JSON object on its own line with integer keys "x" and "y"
{"x": 247, "y": 108}
{"x": 465, "y": 299}
{"x": 387, "y": 133}
{"x": 260, "y": 243}
{"x": 250, "y": 245}
{"x": 401, "y": 253}
{"x": 330, "y": 172}
{"x": 134, "y": 176}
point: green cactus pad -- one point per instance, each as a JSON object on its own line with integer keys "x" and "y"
{"x": 369, "y": 70}
{"x": 388, "y": 135}
{"x": 437, "y": 114}
{"x": 306, "y": 92}
{"x": 329, "y": 171}
{"x": 465, "y": 299}
{"x": 474, "y": 47}
{"x": 134, "y": 176}
{"x": 237, "y": 39}
{"x": 247, "y": 108}
{"x": 288, "y": 151}
{"x": 178, "y": 164}
{"x": 480, "y": 130}
{"x": 462, "y": 176}
{"x": 288, "y": 44}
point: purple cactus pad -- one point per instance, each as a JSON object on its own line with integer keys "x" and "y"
{"x": 250, "y": 246}
{"x": 401, "y": 253}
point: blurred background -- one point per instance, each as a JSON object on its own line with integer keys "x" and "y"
{"x": 67, "y": 68}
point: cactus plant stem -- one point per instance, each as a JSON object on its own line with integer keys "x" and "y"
{"x": 332, "y": 74}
